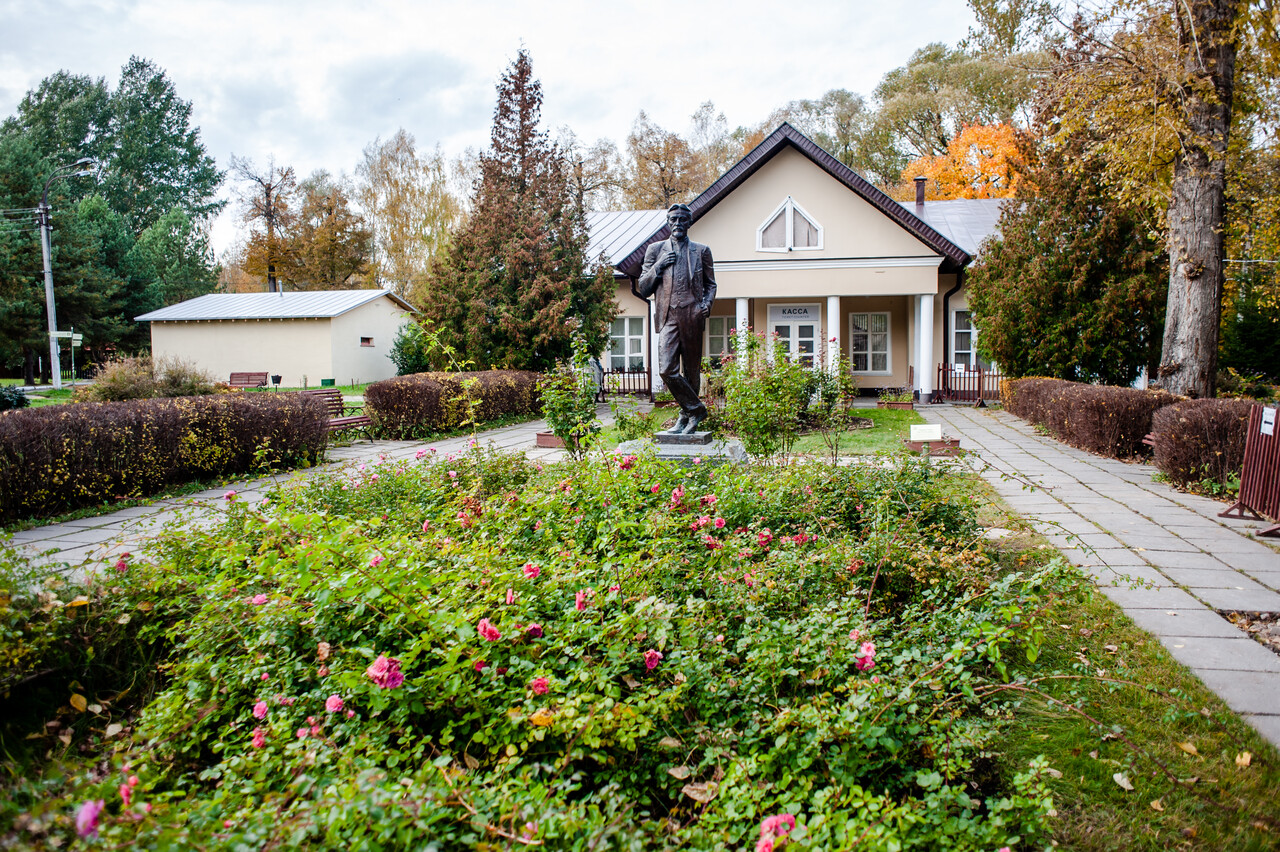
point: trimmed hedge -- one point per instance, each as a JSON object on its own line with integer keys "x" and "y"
{"x": 426, "y": 404}
{"x": 1201, "y": 439}
{"x": 1105, "y": 420}
{"x": 63, "y": 457}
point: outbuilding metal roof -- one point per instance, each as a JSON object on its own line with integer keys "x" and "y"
{"x": 616, "y": 233}
{"x": 316, "y": 304}
{"x": 966, "y": 222}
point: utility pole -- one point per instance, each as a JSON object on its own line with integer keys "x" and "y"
{"x": 80, "y": 168}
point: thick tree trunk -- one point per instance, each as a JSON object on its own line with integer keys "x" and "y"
{"x": 28, "y": 366}
{"x": 1189, "y": 356}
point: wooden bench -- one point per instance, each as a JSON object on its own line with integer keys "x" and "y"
{"x": 339, "y": 418}
{"x": 248, "y": 380}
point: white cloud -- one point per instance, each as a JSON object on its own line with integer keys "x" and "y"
{"x": 313, "y": 83}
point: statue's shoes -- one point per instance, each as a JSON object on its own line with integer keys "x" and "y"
{"x": 695, "y": 420}
{"x": 681, "y": 422}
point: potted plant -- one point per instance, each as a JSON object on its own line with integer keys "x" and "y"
{"x": 896, "y": 398}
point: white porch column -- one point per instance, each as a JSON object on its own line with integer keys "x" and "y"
{"x": 742, "y": 321}
{"x": 926, "y": 369}
{"x": 833, "y": 332}
{"x": 655, "y": 381}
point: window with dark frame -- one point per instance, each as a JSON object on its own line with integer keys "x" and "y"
{"x": 366, "y": 341}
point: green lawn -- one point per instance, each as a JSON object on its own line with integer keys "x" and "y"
{"x": 891, "y": 427}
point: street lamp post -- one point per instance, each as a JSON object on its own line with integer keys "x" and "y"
{"x": 80, "y": 168}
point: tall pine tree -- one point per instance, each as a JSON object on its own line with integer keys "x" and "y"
{"x": 515, "y": 282}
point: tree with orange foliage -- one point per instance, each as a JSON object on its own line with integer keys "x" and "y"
{"x": 982, "y": 161}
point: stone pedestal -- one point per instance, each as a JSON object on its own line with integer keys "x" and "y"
{"x": 685, "y": 448}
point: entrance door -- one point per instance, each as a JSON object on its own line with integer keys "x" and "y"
{"x": 796, "y": 328}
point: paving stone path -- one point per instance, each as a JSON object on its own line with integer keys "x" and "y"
{"x": 1110, "y": 518}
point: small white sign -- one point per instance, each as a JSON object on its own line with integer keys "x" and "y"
{"x": 794, "y": 313}
{"x": 1268, "y": 421}
{"x": 926, "y": 432}
{"x": 60, "y": 334}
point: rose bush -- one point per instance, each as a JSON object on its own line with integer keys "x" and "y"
{"x": 456, "y": 651}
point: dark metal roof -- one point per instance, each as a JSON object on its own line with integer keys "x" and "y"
{"x": 313, "y": 304}
{"x": 954, "y": 256}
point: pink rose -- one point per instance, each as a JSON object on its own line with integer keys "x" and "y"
{"x": 87, "y": 817}
{"x": 711, "y": 543}
{"x": 539, "y": 685}
{"x": 302, "y": 733}
{"x": 259, "y": 738}
{"x": 453, "y": 474}
{"x": 534, "y": 631}
{"x": 333, "y": 704}
{"x": 651, "y": 659}
{"x": 122, "y": 565}
{"x": 764, "y": 844}
{"x": 229, "y": 496}
{"x": 481, "y": 665}
{"x": 615, "y": 588}
{"x": 655, "y": 489}
{"x": 719, "y": 523}
{"x": 375, "y": 561}
{"x": 580, "y": 600}
{"x": 487, "y": 631}
{"x": 259, "y": 600}
{"x": 765, "y": 537}
{"x": 126, "y": 793}
{"x": 627, "y": 463}
{"x": 419, "y": 454}
{"x": 266, "y": 676}
{"x": 385, "y": 672}
{"x": 511, "y": 596}
{"x": 531, "y": 571}
{"x": 260, "y": 710}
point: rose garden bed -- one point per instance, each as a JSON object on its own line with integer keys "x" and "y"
{"x": 475, "y": 652}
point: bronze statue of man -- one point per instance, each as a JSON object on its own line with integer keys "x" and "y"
{"x": 682, "y": 275}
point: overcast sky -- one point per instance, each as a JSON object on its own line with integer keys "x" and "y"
{"x": 313, "y": 83}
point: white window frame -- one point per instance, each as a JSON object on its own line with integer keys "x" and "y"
{"x": 626, "y": 337}
{"x": 819, "y": 350}
{"x": 972, "y": 331}
{"x": 730, "y": 340}
{"x": 888, "y": 342}
{"x": 789, "y": 208}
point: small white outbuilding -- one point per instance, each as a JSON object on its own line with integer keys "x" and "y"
{"x": 304, "y": 337}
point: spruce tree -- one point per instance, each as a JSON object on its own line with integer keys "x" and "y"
{"x": 515, "y": 283}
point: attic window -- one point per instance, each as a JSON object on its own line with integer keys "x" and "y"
{"x": 789, "y": 228}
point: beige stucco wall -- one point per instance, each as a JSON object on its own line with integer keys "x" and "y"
{"x": 854, "y": 232}
{"x": 380, "y": 320}
{"x": 314, "y": 348}
{"x": 291, "y": 348}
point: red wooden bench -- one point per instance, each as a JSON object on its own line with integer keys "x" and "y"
{"x": 248, "y": 380}
{"x": 339, "y": 418}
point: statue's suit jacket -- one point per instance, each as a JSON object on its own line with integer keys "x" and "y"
{"x": 702, "y": 277}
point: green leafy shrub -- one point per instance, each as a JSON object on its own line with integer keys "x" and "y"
{"x": 12, "y": 398}
{"x": 1108, "y": 421}
{"x": 138, "y": 378}
{"x": 63, "y": 457}
{"x": 427, "y": 404}
{"x": 621, "y": 654}
{"x": 569, "y": 402}
{"x": 412, "y": 350}
{"x": 765, "y": 398}
{"x": 1201, "y": 441}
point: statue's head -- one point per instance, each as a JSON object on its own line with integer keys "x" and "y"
{"x": 678, "y": 219}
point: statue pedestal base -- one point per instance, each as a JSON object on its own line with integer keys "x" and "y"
{"x": 684, "y": 449}
{"x": 680, "y": 439}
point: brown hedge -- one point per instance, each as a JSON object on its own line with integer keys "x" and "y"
{"x": 426, "y": 404}
{"x": 63, "y": 457}
{"x": 1201, "y": 439}
{"x": 1109, "y": 421}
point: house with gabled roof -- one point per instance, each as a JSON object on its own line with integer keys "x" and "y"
{"x": 304, "y": 337}
{"x": 809, "y": 251}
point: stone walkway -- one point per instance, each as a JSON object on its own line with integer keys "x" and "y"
{"x": 1163, "y": 556}
{"x": 86, "y": 543}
